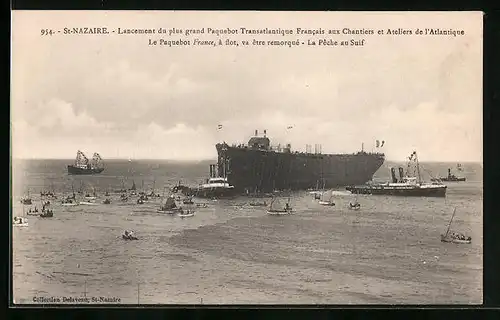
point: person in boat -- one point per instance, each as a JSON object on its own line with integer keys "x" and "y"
{"x": 36, "y": 209}
{"x": 287, "y": 207}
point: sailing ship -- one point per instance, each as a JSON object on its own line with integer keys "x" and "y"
{"x": 455, "y": 237}
{"x": 133, "y": 189}
{"x": 70, "y": 200}
{"x": 287, "y": 209}
{"x": 451, "y": 177}
{"x": 84, "y": 166}
{"x": 328, "y": 202}
{"x": 406, "y": 186}
{"x": 170, "y": 207}
{"x": 26, "y": 200}
{"x": 47, "y": 212}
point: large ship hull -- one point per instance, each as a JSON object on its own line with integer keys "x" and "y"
{"x": 402, "y": 192}
{"x": 80, "y": 171}
{"x": 250, "y": 170}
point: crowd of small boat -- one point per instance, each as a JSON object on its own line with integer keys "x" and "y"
{"x": 180, "y": 200}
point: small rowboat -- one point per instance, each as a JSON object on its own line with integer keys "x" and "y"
{"x": 86, "y": 203}
{"x": 20, "y": 222}
{"x": 186, "y": 214}
{"x": 456, "y": 240}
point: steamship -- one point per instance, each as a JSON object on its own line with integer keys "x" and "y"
{"x": 83, "y": 166}
{"x": 404, "y": 185}
{"x": 260, "y": 168}
{"x": 217, "y": 186}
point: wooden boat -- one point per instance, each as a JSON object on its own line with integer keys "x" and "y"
{"x": 47, "y": 214}
{"x": 455, "y": 238}
{"x": 258, "y": 204}
{"x": 129, "y": 236}
{"x": 20, "y": 222}
{"x": 170, "y": 207}
{"x": 354, "y": 206}
{"x": 277, "y": 212}
{"x": 186, "y": 214}
{"x": 328, "y": 202}
{"x": 87, "y": 203}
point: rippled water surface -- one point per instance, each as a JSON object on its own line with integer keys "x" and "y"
{"x": 389, "y": 252}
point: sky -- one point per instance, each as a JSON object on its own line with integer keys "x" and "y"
{"x": 118, "y": 96}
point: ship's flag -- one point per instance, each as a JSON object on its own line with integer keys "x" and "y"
{"x": 412, "y": 155}
{"x": 219, "y": 126}
{"x": 377, "y": 144}
{"x": 382, "y": 144}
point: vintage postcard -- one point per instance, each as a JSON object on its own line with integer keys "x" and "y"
{"x": 210, "y": 157}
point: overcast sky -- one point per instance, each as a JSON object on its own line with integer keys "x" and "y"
{"x": 122, "y": 98}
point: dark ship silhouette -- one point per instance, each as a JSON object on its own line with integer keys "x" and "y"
{"x": 258, "y": 167}
{"x": 83, "y": 166}
{"x": 451, "y": 177}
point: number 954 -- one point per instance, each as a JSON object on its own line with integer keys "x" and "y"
{"x": 46, "y": 32}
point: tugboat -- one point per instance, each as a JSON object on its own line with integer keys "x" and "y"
{"x": 405, "y": 186}
{"x": 83, "y": 166}
{"x": 217, "y": 186}
{"x": 450, "y": 178}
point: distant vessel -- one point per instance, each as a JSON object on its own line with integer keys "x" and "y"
{"x": 405, "y": 186}
{"x": 83, "y": 166}
{"x": 450, "y": 178}
{"x": 260, "y": 166}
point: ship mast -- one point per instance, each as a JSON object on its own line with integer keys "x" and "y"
{"x": 418, "y": 169}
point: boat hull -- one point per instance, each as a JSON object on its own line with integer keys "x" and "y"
{"x": 186, "y": 215}
{"x": 402, "y": 192}
{"x": 326, "y": 203}
{"x": 450, "y": 179}
{"x": 457, "y": 241}
{"x": 250, "y": 169}
{"x": 216, "y": 193}
{"x": 278, "y": 212}
{"x": 81, "y": 171}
